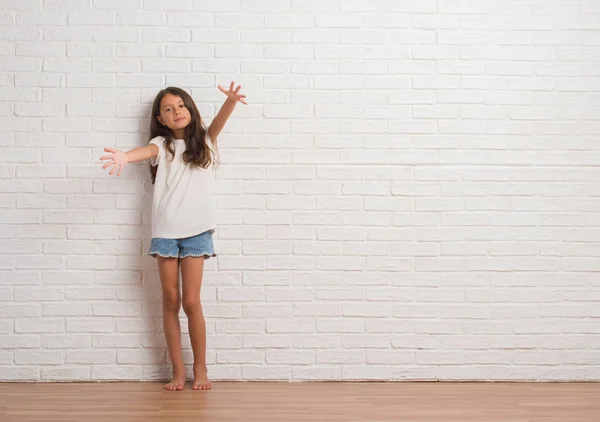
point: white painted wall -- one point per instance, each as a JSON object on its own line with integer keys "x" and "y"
{"x": 412, "y": 193}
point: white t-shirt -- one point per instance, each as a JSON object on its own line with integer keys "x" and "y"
{"x": 182, "y": 204}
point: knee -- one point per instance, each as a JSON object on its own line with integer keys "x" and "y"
{"x": 191, "y": 306}
{"x": 171, "y": 302}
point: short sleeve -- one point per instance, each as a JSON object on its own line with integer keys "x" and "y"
{"x": 159, "y": 141}
{"x": 214, "y": 150}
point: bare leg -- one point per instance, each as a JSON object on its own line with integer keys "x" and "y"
{"x": 168, "y": 269}
{"x": 192, "y": 269}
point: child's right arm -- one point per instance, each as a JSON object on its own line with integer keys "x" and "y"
{"x": 119, "y": 159}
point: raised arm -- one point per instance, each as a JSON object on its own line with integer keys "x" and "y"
{"x": 222, "y": 116}
{"x": 119, "y": 159}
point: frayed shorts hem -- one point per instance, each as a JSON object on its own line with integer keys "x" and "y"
{"x": 206, "y": 255}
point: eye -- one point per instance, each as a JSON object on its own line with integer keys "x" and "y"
{"x": 181, "y": 106}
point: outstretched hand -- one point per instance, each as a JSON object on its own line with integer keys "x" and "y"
{"x": 233, "y": 93}
{"x": 118, "y": 160}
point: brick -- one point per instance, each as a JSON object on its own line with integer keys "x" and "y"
{"x": 34, "y": 357}
{"x": 66, "y": 373}
{"x": 62, "y": 341}
{"x": 14, "y": 341}
{"x": 20, "y": 373}
{"x": 74, "y": 356}
{"x": 116, "y": 372}
{"x": 85, "y": 325}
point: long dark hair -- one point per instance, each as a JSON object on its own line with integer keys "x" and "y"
{"x": 197, "y": 151}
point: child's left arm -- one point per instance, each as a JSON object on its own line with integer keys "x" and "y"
{"x": 226, "y": 109}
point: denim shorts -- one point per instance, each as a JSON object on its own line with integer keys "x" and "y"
{"x": 199, "y": 245}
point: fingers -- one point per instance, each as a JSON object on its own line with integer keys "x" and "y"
{"x": 117, "y": 168}
{"x": 231, "y": 88}
{"x": 114, "y": 168}
{"x": 240, "y": 98}
{"x": 233, "y": 93}
{"x": 110, "y": 150}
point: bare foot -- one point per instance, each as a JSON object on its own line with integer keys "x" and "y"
{"x": 201, "y": 381}
{"x": 178, "y": 380}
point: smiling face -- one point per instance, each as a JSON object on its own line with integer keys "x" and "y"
{"x": 174, "y": 114}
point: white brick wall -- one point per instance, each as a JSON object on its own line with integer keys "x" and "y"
{"x": 412, "y": 192}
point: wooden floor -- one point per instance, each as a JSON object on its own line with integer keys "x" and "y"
{"x": 286, "y": 402}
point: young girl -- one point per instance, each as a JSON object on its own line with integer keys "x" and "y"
{"x": 183, "y": 156}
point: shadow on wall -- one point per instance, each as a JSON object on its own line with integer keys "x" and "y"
{"x": 153, "y": 358}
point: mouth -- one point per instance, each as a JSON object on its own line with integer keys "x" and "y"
{"x": 180, "y": 119}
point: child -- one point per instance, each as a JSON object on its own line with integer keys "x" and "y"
{"x": 183, "y": 156}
